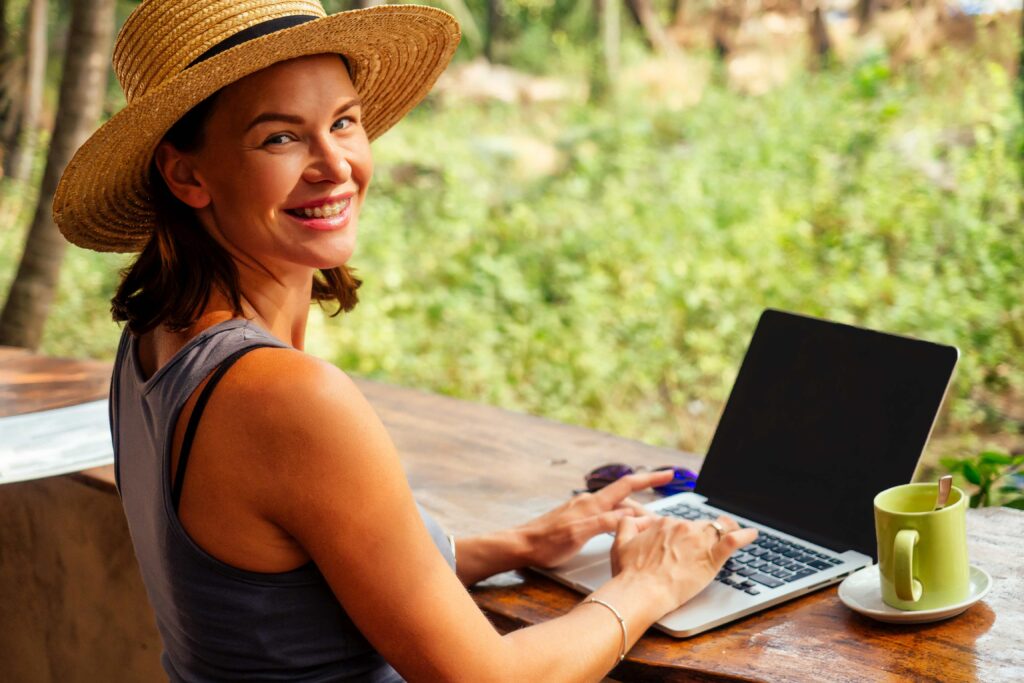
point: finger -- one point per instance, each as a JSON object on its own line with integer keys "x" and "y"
{"x": 645, "y": 523}
{"x": 728, "y": 523}
{"x": 599, "y": 524}
{"x": 626, "y": 530}
{"x": 730, "y": 543}
{"x": 637, "y": 509}
{"x": 615, "y": 492}
{"x": 721, "y": 526}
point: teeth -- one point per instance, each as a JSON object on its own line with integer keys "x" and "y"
{"x": 325, "y": 211}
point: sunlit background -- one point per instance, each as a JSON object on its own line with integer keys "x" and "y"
{"x": 588, "y": 214}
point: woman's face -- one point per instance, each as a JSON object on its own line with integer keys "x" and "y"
{"x": 283, "y": 168}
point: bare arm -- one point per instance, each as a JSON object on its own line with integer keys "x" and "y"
{"x": 557, "y": 535}
{"x": 330, "y": 477}
{"x": 484, "y": 555}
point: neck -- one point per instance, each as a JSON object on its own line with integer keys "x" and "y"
{"x": 274, "y": 295}
{"x": 281, "y": 307}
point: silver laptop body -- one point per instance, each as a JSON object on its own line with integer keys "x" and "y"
{"x": 821, "y": 417}
{"x": 741, "y": 588}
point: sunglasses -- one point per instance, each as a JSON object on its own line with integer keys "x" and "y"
{"x": 682, "y": 480}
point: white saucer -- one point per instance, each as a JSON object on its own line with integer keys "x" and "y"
{"x": 862, "y": 593}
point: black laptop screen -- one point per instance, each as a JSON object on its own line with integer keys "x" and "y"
{"x": 821, "y": 418}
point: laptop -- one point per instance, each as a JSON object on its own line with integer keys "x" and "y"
{"x": 822, "y": 416}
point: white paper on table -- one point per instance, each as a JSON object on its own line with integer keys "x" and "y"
{"x": 52, "y": 442}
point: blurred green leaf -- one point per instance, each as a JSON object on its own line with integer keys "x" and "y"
{"x": 607, "y": 266}
{"x": 953, "y": 465}
{"x": 993, "y": 458}
{"x": 1017, "y": 504}
{"x": 971, "y": 473}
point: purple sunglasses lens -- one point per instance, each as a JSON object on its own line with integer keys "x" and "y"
{"x": 605, "y": 475}
{"x": 682, "y": 480}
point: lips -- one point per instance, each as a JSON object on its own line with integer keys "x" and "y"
{"x": 326, "y": 217}
{"x": 322, "y": 208}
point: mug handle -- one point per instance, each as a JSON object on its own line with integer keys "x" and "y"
{"x": 907, "y": 587}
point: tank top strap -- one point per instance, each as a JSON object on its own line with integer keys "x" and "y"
{"x": 197, "y": 411}
{"x": 218, "y": 621}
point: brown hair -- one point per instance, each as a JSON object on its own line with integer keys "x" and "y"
{"x": 171, "y": 280}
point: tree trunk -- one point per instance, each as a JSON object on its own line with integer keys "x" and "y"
{"x": 605, "y": 71}
{"x": 23, "y": 153}
{"x": 12, "y": 87}
{"x": 653, "y": 30}
{"x": 471, "y": 35}
{"x": 726, "y": 17}
{"x": 10, "y": 83}
{"x": 11, "y": 69}
{"x": 4, "y": 33}
{"x": 493, "y": 26}
{"x": 865, "y": 15}
{"x": 821, "y": 44}
{"x": 611, "y": 35}
{"x": 681, "y": 13}
{"x": 82, "y": 87}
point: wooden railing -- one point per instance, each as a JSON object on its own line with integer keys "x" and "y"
{"x": 74, "y": 608}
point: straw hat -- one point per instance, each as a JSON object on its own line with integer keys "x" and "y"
{"x": 172, "y": 54}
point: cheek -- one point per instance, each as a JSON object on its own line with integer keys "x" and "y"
{"x": 254, "y": 187}
{"x": 362, "y": 167}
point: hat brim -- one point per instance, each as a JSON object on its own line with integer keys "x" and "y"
{"x": 396, "y": 54}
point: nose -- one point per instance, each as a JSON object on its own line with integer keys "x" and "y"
{"x": 328, "y": 161}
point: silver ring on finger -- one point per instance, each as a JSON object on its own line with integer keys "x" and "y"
{"x": 719, "y": 529}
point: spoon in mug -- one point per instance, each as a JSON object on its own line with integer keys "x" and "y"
{"x": 945, "y": 484}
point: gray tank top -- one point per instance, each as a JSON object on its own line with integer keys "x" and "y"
{"x": 219, "y": 622}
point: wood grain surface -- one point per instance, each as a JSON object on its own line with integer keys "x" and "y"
{"x": 29, "y": 382}
{"x": 478, "y": 468}
{"x": 816, "y": 637}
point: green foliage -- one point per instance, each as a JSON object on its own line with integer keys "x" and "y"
{"x": 984, "y": 471}
{"x": 619, "y": 291}
{"x": 871, "y": 75}
{"x": 605, "y": 266}
{"x": 79, "y": 324}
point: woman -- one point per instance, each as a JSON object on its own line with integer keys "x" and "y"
{"x": 277, "y": 536}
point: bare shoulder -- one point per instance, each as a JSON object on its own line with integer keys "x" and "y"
{"x": 277, "y": 390}
{"x": 282, "y": 373}
{"x": 304, "y": 432}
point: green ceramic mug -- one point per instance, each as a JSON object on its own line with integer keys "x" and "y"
{"x": 922, "y": 552}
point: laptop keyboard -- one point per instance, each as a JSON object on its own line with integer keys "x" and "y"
{"x": 768, "y": 562}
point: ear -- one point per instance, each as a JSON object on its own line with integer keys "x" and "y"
{"x": 179, "y": 173}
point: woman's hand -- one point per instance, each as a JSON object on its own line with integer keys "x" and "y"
{"x": 678, "y": 557}
{"x": 556, "y": 536}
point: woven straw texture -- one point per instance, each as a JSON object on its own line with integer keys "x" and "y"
{"x": 396, "y": 53}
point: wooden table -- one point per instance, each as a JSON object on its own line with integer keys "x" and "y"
{"x": 478, "y": 468}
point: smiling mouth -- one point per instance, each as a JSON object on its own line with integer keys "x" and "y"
{"x": 323, "y": 211}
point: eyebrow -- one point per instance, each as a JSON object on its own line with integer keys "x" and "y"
{"x": 292, "y": 118}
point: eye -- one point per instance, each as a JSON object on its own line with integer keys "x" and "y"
{"x": 278, "y": 139}
{"x": 343, "y": 123}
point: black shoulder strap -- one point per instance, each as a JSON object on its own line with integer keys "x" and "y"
{"x": 114, "y": 402}
{"x": 197, "y": 411}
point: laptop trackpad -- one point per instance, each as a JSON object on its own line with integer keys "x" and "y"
{"x": 595, "y": 551}
{"x": 592, "y": 577}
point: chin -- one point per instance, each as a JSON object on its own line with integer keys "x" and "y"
{"x": 333, "y": 260}
{"x": 335, "y": 254}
